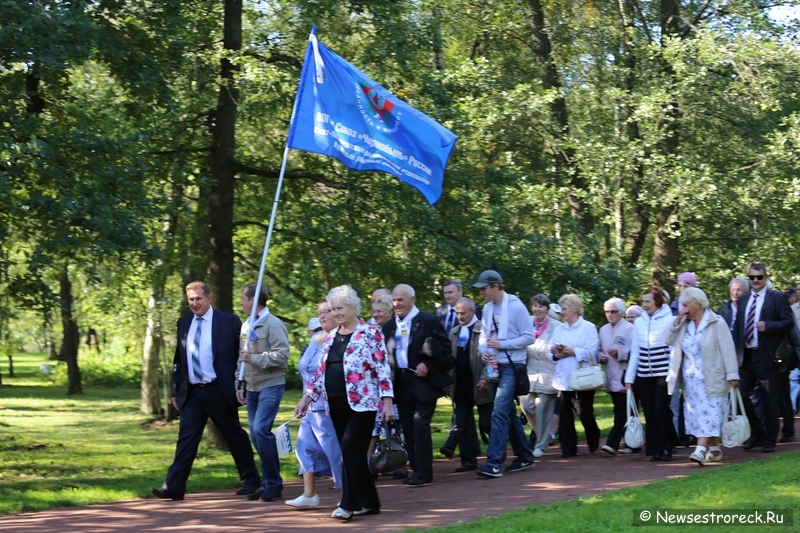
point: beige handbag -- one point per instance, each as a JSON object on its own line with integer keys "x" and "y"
{"x": 589, "y": 377}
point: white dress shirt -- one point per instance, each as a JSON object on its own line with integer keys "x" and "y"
{"x": 206, "y": 350}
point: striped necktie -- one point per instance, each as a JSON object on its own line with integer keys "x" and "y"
{"x": 196, "y": 368}
{"x": 749, "y": 329}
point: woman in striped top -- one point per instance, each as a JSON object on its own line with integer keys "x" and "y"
{"x": 648, "y": 365}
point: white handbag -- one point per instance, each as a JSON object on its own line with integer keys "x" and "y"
{"x": 634, "y": 436}
{"x": 589, "y": 377}
{"x": 736, "y": 430}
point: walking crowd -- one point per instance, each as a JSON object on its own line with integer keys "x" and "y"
{"x": 679, "y": 360}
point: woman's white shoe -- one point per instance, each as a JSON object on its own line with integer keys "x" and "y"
{"x": 302, "y": 501}
{"x": 698, "y": 457}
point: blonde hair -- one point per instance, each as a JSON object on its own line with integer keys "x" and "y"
{"x": 571, "y": 301}
{"x": 384, "y": 303}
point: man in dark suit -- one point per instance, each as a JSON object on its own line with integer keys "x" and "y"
{"x": 763, "y": 320}
{"x": 728, "y": 310}
{"x": 203, "y": 387}
{"x": 452, "y": 290}
{"x": 419, "y": 351}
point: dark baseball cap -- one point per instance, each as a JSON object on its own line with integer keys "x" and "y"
{"x": 487, "y": 277}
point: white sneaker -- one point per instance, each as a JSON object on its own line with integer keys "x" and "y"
{"x": 302, "y": 502}
{"x": 712, "y": 456}
{"x": 609, "y": 450}
{"x": 698, "y": 457}
{"x": 626, "y": 450}
{"x": 537, "y": 452}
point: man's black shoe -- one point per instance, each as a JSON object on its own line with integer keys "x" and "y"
{"x": 786, "y": 439}
{"x": 166, "y": 494}
{"x": 447, "y": 452}
{"x": 466, "y": 468}
{"x": 417, "y": 482}
{"x": 244, "y": 491}
{"x": 256, "y": 494}
{"x": 271, "y": 494}
{"x": 768, "y": 447}
{"x": 751, "y": 443}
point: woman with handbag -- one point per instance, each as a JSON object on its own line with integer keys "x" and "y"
{"x": 648, "y": 364}
{"x": 615, "y": 344}
{"x": 704, "y": 364}
{"x": 539, "y": 405}
{"x": 354, "y": 380}
{"x": 574, "y": 341}
{"x": 317, "y": 447}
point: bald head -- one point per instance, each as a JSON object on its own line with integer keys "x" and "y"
{"x": 403, "y": 299}
{"x": 380, "y": 292}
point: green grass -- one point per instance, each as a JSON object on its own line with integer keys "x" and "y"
{"x": 770, "y": 484}
{"x": 58, "y": 450}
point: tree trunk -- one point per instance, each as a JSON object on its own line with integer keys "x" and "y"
{"x": 221, "y": 198}
{"x": 69, "y": 345}
{"x": 666, "y": 253}
{"x": 634, "y": 242}
{"x": 214, "y": 437}
{"x": 438, "y": 47}
{"x": 223, "y": 147}
{"x": 564, "y": 157}
{"x": 151, "y": 402}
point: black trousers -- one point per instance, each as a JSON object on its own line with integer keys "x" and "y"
{"x": 753, "y": 374}
{"x": 785, "y": 405}
{"x": 415, "y": 417}
{"x": 620, "y": 400}
{"x": 659, "y": 431}
{"x": 202, "y": 404}
{"x": 354, "y": 431}
{"x": 465, "y": 421}
{"x": 566, "y": 420}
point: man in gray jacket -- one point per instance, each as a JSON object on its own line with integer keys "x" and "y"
{"x": 264, "y": 350}
{"x": 506, "y": 332}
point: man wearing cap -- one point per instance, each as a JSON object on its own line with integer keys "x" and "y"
{"x": 264, "y": 350}
{"x": 506, "y": 332}
{"x": 419, "y": 352}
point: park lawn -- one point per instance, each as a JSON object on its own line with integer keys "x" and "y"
{"x": 58, "y": 450}
{"x": 767, "y": 484}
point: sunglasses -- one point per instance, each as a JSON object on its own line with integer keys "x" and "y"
{"x": 753, "y": 278}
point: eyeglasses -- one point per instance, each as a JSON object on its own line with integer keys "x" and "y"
{"x": 612, "y": 311}
{"x": 320, "y": 313}
{"x": 758, "y": 277}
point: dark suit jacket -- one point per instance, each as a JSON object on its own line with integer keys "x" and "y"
{"x": 726, "y": 312}
{"x": 441, "y": 313}
{"x": 435, "y": 353}
{"x": 778, "y": 320}
{"x": 225, "y": 331}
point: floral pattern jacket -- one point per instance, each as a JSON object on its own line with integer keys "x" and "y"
{"x": 366, "y": 370}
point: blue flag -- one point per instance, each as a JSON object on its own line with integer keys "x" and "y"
{"x": 342, "y": 113}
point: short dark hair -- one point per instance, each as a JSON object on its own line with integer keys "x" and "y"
{"x": 249, "y": 290}
{"x": 455, "y": 282}
{"x": 758, "y": 266}
{"x": 658, "y": 296}
{"x": 541, "y": 299}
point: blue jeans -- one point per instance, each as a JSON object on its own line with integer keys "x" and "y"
{"x": 794, "y": 386}
{"x": 262, "y": 407}
{"x": 506, "y": 425}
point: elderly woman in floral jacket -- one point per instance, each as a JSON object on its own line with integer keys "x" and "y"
{"x": 354, "y": 380}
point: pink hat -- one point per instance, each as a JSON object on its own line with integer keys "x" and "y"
{"x": 689, "y": 278}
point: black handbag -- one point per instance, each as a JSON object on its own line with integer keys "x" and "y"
{"x": 522, "y": 385}
{"x": 389, "y": 454}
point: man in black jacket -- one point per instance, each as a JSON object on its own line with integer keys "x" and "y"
{"x": 203, "y": 387}
{"x": 419, "y": 352}
{"x": 763, "y": 320}
{"x": 728, "y": 310}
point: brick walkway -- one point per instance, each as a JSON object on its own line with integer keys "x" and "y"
{"x": 451, "y": 498}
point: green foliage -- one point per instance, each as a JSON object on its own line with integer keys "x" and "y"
{"x": 105, "y": 370}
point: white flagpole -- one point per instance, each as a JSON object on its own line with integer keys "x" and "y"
{"x": 254, "y": 312}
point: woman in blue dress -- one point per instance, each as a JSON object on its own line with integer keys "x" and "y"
{"x": 317, "y": 447}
